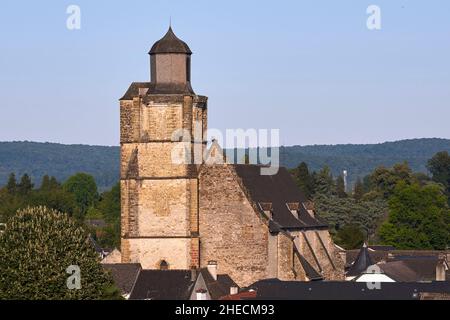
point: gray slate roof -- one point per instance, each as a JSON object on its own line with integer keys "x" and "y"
{"x": 278, "y": 189}
{"x": 163, "y": 285}
{"x": 273, "y": 289}
{"x": 157, "y": 88}
{"x": 411, "y": 269}
{"x": 124, "y": 275}
{"x": 362, "y": 262}
{"x": 170, "y": 43}
{"x": 219, "y": 288}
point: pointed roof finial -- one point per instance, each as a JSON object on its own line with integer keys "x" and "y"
{"x": 170, "y": 22}
{"x": 170, "y": 43}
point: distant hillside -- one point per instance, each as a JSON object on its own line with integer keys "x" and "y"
{"x": 61, "y": 161}
{"x": 361, "y": 159}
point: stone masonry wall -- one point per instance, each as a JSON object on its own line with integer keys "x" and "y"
{"x": 155, "y": 159}
{"x": 231, "y": 233}
{"x": 150, "y": 252}
{"x": 163, "y": 208}
{"x": 285, "y": 258}
{"x": 320, "y": 254}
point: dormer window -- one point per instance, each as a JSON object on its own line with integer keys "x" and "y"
{"x": 309, "y": 207}
{"x": 266, "y": 207}
{"x": 293, "y": 207}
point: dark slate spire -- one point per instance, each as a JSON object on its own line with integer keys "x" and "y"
{"x": 362, "y": 262}
{"x": 170, "y": 43}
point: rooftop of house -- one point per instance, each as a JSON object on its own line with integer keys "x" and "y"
{"x": 399, "y": 265}
{"x": 361, "y": 263}
{"x": 124, "y": 275}
{"x": 166, "y": 284}
{"x": 388, "y": 254}
{"x": 162, "y": 285}
{"x": 220, "y": 287}
{"x": 411, "y": 269}
{"x": 273, "y": 289}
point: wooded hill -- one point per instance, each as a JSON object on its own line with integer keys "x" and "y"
{"x": 62, "y": 161}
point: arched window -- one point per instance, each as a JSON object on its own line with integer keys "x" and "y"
{"x": 163, "y": 265}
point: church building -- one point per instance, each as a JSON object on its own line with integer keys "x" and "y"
{"x": 212, "y": 214}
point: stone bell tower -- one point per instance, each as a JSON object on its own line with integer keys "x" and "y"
{"x": 161, "y": 119}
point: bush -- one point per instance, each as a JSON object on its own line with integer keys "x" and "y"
{"x": 37, "y": 247}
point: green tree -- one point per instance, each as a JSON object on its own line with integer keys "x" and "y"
{"x": 25, "y": 185}
{"x": 422, "y": 178}
{"x": 350, "y": 237}
{"x": 36, "y": 249}
{"x": 304, "y": 179}
{"x": 419, "y": 218}
{"x": 340, "y": 187}
{"x": 358, "y": 191}
{"x": 49, "y": 183}
{"x": 11, "y": 186}
{"x": 340, "y": 212}
{"x": 109, "y": 206}
{"x": 10, "y": 203}
{"x": 56, "y": 199}
{"x": 439, "y": 167}
{"x": 324, "y": 183}
{"x": 384, "y": 180}
{"x": 84, "y": 188}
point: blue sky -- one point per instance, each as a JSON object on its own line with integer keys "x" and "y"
{"x": 309, "y": 68}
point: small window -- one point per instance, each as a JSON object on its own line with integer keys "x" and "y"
{"x": 163, "y": 265}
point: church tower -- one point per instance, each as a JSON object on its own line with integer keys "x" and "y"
{"x": 161, "y": 122}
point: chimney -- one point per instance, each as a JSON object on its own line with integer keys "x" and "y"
{"x": 201, "y": 294}
{"x": 212, "y": 269}
{"x": 234, "y": 290}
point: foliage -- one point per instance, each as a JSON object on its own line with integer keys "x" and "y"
{"x": 323, "y": 181}
{"x": 109, "y": 205}
{"x": 358, "y": 191}
{"x": 439, "y": 167}
{"x": 25, "y": 185}
{"x": 340, "y": 187}
{"x": 84, "y": 189}
{"x": 11, "y": 186}
{"x": 350, "y": 237}
{"x": 304, "y": 179}
{"x": 361, "y": 160}
{"x": 419, "y": 218}
{"x": 342, "y": 212}
{"x": 37, "y": 247}
{"x": 384, "y": 180}
{"x": 52, "y": 195}
{"x": 62, "y": 161}
{"x": 49, "y": 183}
